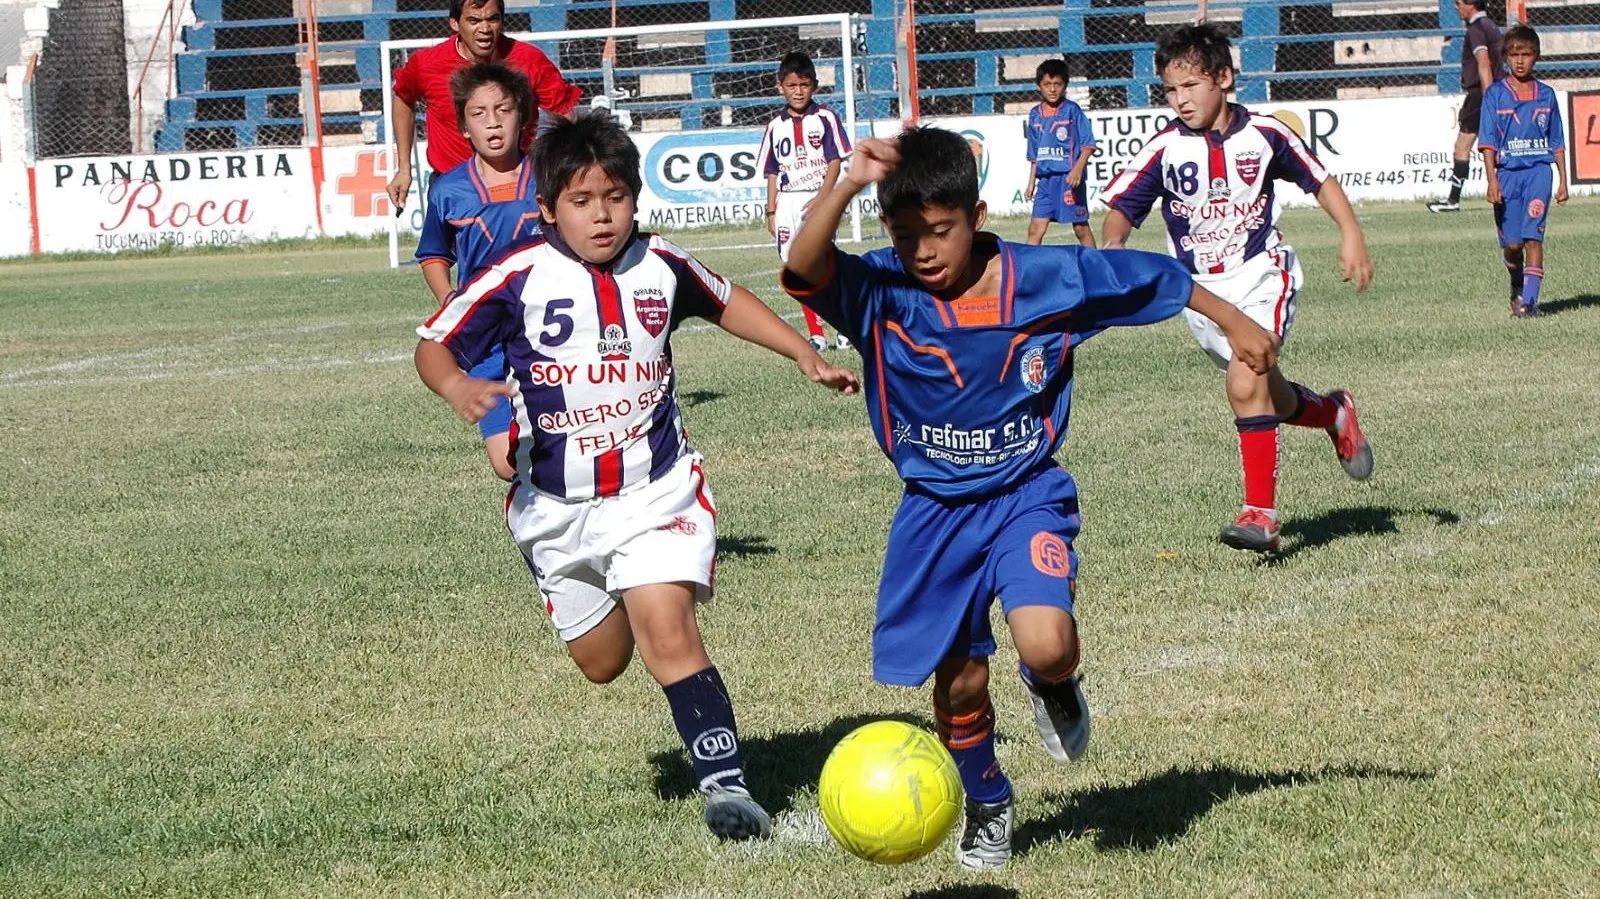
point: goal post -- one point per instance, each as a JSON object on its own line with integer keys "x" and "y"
{"x": 676, "y": 81}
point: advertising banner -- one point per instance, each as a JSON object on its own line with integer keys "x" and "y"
{"x": 112, "y": 203}
{"x": 355, "y": 197}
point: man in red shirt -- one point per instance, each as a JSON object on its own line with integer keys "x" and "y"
{"x": 477, "y": 35}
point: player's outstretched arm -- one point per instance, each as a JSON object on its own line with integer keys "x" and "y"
{"x": 1252, "y": 344}
{"x": 1561, "y": 177}
{"x": 1114, "y": 230}
{"x": 812, "y": 250}
{"x": 471, "y": 398}
{"x": 747, "y": 318}
{"x": 1355, "y": 263}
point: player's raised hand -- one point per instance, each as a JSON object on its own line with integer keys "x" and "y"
{"x": 473, "y": 398}
{"x": 1355, "y": 263}
{"x": 831, "y": 376}
{"x": 873, "y": 159}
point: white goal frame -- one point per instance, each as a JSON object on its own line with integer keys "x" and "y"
{"x": 846, "y": 23}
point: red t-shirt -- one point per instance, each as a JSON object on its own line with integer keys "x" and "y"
{"x": 426, "y": 77}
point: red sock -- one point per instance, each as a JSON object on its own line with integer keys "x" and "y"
{"x": 813, "y": 323}
{"x": 1315, "y": 410}
{"x": 1258, "y": 449}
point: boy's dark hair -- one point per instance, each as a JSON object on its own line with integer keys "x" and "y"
{"x": 797, "y": 62}
{"x": 937, "y": 168}
{"x": 457, "y": 7}
{"x": 570, "y": 147}
{"x": 1520, "y": 34}
{"x": 1056, "y": 67}
{"x": 466, "y": 80}
{"x": 1204, "y": 46}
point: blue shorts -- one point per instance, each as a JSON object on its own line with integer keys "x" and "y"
{"x": 1058, "y": 201}
{"x": 947, "y": 562}
{"x": 1524, "y": 206}
{"x": 493, "y": 368}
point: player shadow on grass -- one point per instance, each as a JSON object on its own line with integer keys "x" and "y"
{"x": 691, "y": 398}
{"x": 1556, "y": 307}
{"x": 730, "y": 547}
{"x": 1159, "y": 810}
{"x": 777, "y": 766}
{"x": 967, "y": 891}
{"x": 1302, "y": 534}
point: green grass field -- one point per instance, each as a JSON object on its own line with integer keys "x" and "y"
{"x": 262, "y": 633}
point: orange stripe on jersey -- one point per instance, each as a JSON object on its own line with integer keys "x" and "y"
{"x": 883, "y": 396}
{"x": 475, "y": 220}
{"x": 1038, "y": 327}
{"x": 499, "y": 193}
{"x": 944, "y": 313}
{"x": 929, "y": 350}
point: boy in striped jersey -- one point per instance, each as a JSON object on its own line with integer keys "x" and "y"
{"x": 1519, "y": 134}
{"x": 1212, "y": 172}
{"x": 800, "y": 154}
{"x": 610, "y": 506}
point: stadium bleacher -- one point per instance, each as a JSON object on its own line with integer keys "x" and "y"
{"x": 239, "y": 84}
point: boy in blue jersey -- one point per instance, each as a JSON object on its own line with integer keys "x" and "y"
{"x": 1060, "y": 143}
{"x": 481, "y": 210}
{"x": 968, "y": 344}
{"x": 1519, "y": 134}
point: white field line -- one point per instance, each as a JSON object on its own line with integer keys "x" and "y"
{"x": 173, "y": 362}
{"x": 1524, "y": 501}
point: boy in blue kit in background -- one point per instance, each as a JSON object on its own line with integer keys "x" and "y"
{"x": 481, "y": 210}
{"x": 968, "y": 346}
{"x": 1060, "y": 143}
{"x": 1520, "y": 136}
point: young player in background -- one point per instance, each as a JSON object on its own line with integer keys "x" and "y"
{"x": 1060, "y": 142}
{"x": 481, "y": 210}
{"x": 1212, "y": 171}
{"x": 1520, "y": 137}
{"x": 968, "y": 342}
{"x": 610, "y": 506}
{"x": 1480, "y": 67}
{"x": 800, "y": 154}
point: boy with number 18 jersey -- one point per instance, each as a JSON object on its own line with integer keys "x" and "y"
{"x": 1212, "y": 171}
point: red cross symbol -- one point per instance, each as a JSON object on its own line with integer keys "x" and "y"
{"x": 366, "y": 187}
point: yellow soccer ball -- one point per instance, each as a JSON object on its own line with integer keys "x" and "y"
{"x": 890, "y": 792}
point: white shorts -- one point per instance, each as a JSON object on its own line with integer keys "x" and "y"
{"x": 1263, "y": 288}
{"x": 786, "y": 221}
{"x": 584, "y": 553}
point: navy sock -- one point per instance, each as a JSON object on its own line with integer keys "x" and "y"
{"x": 704, "y": 715}
{"x": 970, "y": 739}
{"x": 1458, "y": 177}
{"x": 1532, "y": 280}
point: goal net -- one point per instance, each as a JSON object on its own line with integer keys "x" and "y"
{"x": 695, "y": 97}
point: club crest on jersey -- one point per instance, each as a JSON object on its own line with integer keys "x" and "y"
{"x": 1248, "y": 165}
{"x": 815, "y": 140}
{"x": 1219, "y": 192}
{"x": 614, "y": 342}
{"x": 1542, "y": 119}
{"x": 650, "y": 305}
{"x": 1033, "y": 369}
{"x": 1061, "y": 132}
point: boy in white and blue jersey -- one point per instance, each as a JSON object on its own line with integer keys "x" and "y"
{"x": 1212, "y": 172}
{"x": 800, "y": 154}
{"x": 1060, "y": 142}
{"x": 483, "y": 209}
{"x": 609, "y": 505}
{"x": 1520, "y": 137}
{"x": 968, "y": 346}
